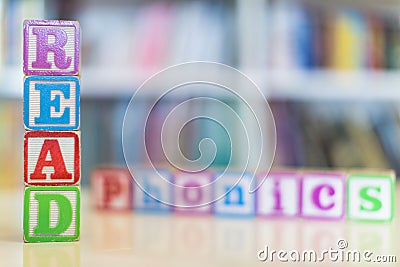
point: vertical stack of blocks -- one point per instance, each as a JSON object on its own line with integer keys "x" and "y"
{"x": 51, "y": 54}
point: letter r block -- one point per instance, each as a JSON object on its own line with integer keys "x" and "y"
{"x": 51, "y": 158}
{"x": 51, "y": 47}
{"x": 51, "y": 213}
{"x": 51, "y": 103}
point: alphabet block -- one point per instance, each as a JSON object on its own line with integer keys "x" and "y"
{"x": 233, "y": 194}
{"x": 193, "y": 192}
{"x": 51, "y": 158}
{"x": 51, "y": 213}
{"x": 370, "y": 197}
{"x": 152, "y": 190}
{"x": 51, "y": 103}
{"x": 112, "y": 188}
{"x": 279, "y": 194}
{"x": 323, "y": 195}
{"x": 51, "y": 47}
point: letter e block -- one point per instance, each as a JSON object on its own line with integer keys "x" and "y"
{"x": 51, "y": 47}
{"x": 51, "y": 213}
{"x": 51, "y": 158}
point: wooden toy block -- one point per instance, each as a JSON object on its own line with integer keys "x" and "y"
{"x": 51, "y": 158}
{"x": 323, "y": 195}
{"x": 51, "y": 47}
{"x": 51, "y": 213}
{"x": 232, "y": 191}
{"x": 112, "y": 188}
{"x": 153, "y": 189}
{"x": 193, "y": 192}
{"x": 51, "y": 103}
{"x": 279, "y": 194}
{"x": 370, "y": 196}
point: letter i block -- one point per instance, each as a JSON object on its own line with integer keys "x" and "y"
{"x": 51, "y": 103}
{"x": 323, "y": 195}
{"x": 51, "y": 158}
{"x": 51, "y": 213}
{"x": 51, "y": 47}
{"x": 370, "y": 197}
{"x": 112, "y": 188}
{"x": 232, "y": 191}
{"x": 279, "y": 194}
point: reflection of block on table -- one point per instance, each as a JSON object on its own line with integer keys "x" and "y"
{"x": 370, "y": 196}
{"x": 51, "y": 254}
{"x": 112, "y": 188}
{"x": 51, "y": 213}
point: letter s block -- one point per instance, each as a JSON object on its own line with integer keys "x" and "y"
{"x": 51, "y": 158}
{"x": 51, "y": 213}
{"x": 51, "y": 47}
{"x": 51, "y": 103}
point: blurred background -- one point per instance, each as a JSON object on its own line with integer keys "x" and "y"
{"x": 328, "y": 70}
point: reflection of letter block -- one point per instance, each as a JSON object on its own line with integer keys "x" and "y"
{"x": 191, "y": 190}
{"x": 153, "y": 188}
{"x": 323, "y": 195}
{"x": 51, "y": 103}
{"x": 112, "y": 188}
{"x": 51, "y": 213}
{"x": 232, "y": 192}
{"x": 279, "y": 194}
{"x": 371, "y": 196}
{"x": 51, "y": 47}
{"x": 51, "y": 158}
{"x": 51, "y": 254}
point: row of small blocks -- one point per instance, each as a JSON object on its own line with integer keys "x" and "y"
{"x": 322, "y": 195}
{"x": 51, "y": 54}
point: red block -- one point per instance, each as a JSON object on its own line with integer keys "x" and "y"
{"x": 112, "y": 188}
{"x": 51, "y": 158}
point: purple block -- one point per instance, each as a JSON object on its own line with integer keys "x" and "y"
{"x": 51, "y": 47}
{"x": 279, "y": 195}
{"x": 323, "y": 195}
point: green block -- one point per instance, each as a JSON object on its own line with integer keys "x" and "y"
{"x": 371, "y": 197}
{"x": 51, "y": 213}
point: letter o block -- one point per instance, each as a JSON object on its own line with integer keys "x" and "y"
{"x": 51, "y": 47}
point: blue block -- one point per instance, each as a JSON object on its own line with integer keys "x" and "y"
{"x": 51, "y": 103}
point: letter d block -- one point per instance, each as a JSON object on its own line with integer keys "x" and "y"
{"x": 370, "y": 197}
{"x": 51, "y": 158}
{"x": 51, "y": 47}
{"x": 51, "y": 213}
{"x": 51, "y": 103}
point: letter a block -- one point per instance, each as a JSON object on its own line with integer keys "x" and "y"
{"x": 51, "y": 158}
{"x": 370, "y": 197}
{"x": 52, "y": 213}
{"x": 51, "y": 47}
{"x": 51, "y": 103}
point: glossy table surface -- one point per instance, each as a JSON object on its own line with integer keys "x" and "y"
{"x": 132, "y": 239}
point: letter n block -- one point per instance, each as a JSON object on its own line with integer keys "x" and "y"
{"x": 323, "y": 195}
{"x": 370, "y": 197}
{"x": 51, "y": 213}
{"x": 51, "y": 47}
{"x": 51, "y": 103}
{"x": 51, "y": 158}
{"x": 112, "y": 188}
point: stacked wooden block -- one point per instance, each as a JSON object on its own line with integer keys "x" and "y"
{"x": 51, "y": 54}
{"x": 323, "y": 195}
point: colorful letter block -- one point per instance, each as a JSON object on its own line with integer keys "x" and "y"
{"x": 232, "y": 191}
{"x": 51, "y": 47}
{"x": 279, "y": 194}
{"x": 51, "y": 213}
{"x": 152, "y": 190}
{"x": 51, "y": 103}
{"x": 112, "y": 188}
{"x": 51, "y": 158}
{"x": 370, "y": 197}
{"x": 323, "y": 195}
{"x": 193, "y": 192}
